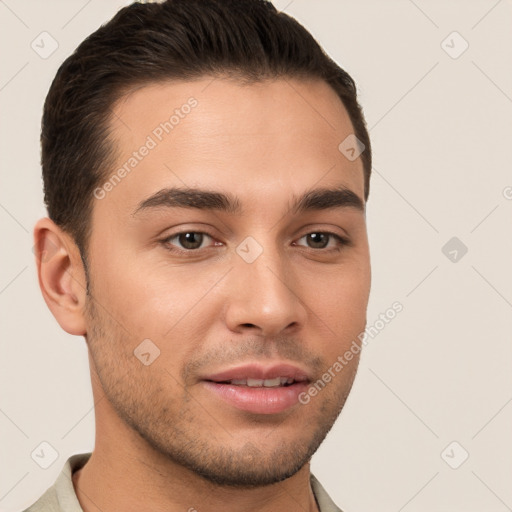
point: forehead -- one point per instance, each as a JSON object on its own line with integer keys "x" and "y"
{"x": 270, "y": 137}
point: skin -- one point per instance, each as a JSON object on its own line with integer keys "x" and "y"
{"x": 164, "y": 441}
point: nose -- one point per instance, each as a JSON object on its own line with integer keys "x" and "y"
{"x": 264, "y": 296}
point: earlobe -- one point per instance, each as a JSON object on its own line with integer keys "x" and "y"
{"x": 61, "y": 275}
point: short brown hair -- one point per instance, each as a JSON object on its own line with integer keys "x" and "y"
{"x": 147, "y": 43}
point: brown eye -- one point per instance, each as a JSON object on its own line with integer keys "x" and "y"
{"x": 191, "y": 240}
{"x": 186, "y": 241}
{"x": 322, "y": 239}
{"x": 317, "y": 240}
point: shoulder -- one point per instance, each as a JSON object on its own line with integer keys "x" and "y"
{"x": 48, "y": 502}
{"x": 61, "y": 495}
{"x": 324, "y": 501}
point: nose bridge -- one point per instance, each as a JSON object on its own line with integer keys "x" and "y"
{"x": 264, "y": 295}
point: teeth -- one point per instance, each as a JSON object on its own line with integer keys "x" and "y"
{"x": 272, "y": 383}
{"x": 258, "y": 383}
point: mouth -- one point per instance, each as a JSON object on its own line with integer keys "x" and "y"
{"x": 262, "y": 383}
{"x": 258, "y": 389}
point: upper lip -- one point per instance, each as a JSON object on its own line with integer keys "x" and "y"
{"x": 259, "y": 371}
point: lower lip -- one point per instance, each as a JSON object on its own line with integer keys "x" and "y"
{"x": 258, "y": 400}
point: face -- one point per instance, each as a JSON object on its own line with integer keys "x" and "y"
{"x": 229, "y": 268}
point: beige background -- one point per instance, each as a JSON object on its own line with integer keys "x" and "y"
{"x": 440, "y": 371}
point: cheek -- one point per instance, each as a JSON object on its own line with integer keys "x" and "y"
{"x": 138, "y": 302}
{"x": 158, "y": 302}
{"x": 339, "y": 311}
{"x": 340, "y": 297}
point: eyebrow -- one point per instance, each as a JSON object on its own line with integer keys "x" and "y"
{"x": 312, "y": 200}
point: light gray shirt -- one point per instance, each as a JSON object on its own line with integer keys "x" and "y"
{"x": 61, "y": 496}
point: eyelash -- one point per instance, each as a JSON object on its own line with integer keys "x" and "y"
{"x": 342, "y": 241}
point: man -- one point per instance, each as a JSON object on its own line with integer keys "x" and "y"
{"x": 206, "y": 168}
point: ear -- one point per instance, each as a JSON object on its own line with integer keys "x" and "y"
{"x": 61, "y": 275}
